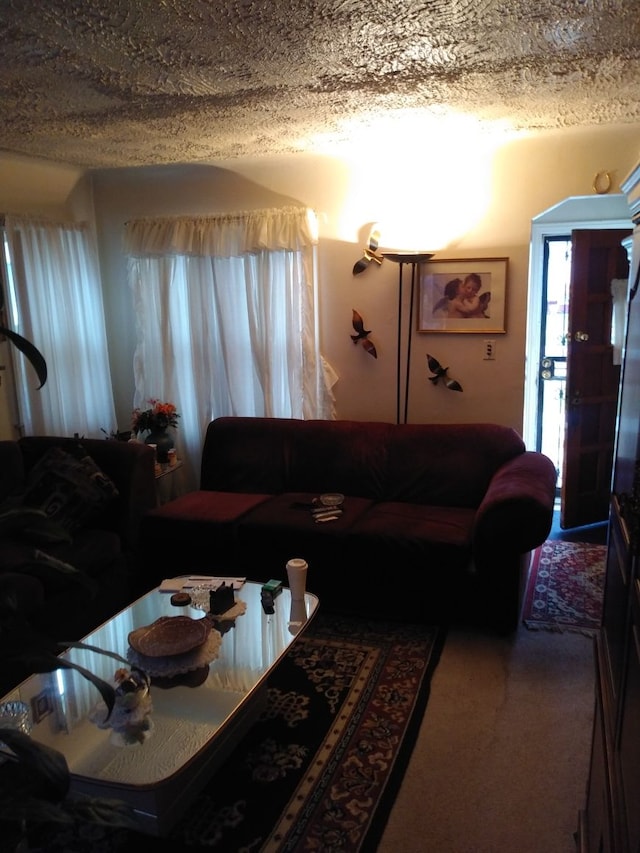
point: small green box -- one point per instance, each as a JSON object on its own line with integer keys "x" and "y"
{"x": 272, "y": 587}
{"x": 268, "y": 594}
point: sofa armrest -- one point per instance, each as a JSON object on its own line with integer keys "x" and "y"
{"x": 131, "y": 467}
{"x": 11, "y": 469}
{"x": 516, "y": 513}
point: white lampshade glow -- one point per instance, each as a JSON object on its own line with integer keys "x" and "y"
{"x": 422, "y": 178}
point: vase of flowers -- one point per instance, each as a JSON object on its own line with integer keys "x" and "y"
{"x": 156, "y": 421}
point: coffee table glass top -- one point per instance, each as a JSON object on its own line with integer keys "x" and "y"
{"x": 188, "y": 711}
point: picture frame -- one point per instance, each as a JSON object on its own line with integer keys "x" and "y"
{"x": 463, "y": 296}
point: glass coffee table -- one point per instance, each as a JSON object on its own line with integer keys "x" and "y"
{"x": 198, "y": 717}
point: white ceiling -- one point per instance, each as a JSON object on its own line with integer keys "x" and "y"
{"x": 101, "y": 83}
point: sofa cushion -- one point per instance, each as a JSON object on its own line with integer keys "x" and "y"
{"x": 244, "y": 455}
{"x": 448, "y": 465}
{"x": 291, "y": 511}
{"x": 90, "y": 553}
{"x": 203, "y": 507}
{"x": 20, "y": 593}
{"x": 78, "y": 608}
{"x": 394, "y": 531}
{"x": 92, "y": 550}
{"x": 68, "y": 487}
{"x": 194, "y": 532}
{"x": 12, "y": 467}
{"x": 276, "y": 455}
{"x": 283, "y": 527}
{"x": 339, "y": 456}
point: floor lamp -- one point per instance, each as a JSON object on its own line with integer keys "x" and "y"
{"x": 412, "y": 259}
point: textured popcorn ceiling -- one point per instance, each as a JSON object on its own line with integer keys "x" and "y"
{"x": 134, "y": 82}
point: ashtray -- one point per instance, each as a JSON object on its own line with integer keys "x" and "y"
{"x": 332, "y": 499}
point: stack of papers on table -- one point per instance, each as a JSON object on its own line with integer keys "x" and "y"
{"x": 185, "y": 583}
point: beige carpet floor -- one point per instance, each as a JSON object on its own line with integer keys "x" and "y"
{"x": 501, "y": 762}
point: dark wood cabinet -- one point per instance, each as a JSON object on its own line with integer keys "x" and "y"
{"x": 606, "y": 825}
{"x": 595, "y": 827}
{"x": 614, "y": 632}
{"x": 610, "y": 822}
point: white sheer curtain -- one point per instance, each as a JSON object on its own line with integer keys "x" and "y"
{"x": 227, "y": 320}
{"x": 56, "y": 302}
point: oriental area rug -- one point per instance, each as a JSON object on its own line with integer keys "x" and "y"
{"x": 565, "y": 587}
{"x": 320, "y": 769}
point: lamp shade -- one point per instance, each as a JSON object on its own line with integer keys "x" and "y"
{"x": 408, "y": 257}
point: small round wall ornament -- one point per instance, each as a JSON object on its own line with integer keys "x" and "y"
{"x": 602, "y": 183}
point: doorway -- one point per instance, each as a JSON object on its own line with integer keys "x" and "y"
{"x": 547, "y": 320}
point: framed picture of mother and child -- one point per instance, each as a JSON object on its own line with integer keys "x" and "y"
{"x": 463, "y": 296}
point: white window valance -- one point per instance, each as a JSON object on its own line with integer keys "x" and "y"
{"x": 223, "y": 236}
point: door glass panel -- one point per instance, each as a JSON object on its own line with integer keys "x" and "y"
{"x": 553, "y": 367}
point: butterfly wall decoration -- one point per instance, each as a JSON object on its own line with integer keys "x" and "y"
{"x": 370, "y": 253}
{"x": 362, "y": 334}
{"x": 440, "y": 372}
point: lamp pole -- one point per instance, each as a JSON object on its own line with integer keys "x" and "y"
{"x": 412, "y": 259}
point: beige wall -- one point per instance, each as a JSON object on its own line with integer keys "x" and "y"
{"x": 473, "y": 201}
{"x": 41, "y": 188}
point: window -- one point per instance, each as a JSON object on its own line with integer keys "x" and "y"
{"x": 227, "y": 321}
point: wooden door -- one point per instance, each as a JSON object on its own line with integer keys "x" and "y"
{"x": 592, "y": 379}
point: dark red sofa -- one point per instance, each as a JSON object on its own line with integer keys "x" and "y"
{"x": 102, "y": 538}
{"x": 438, "y": 523}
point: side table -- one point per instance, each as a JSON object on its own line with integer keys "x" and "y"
{"x": 169, "y": 481}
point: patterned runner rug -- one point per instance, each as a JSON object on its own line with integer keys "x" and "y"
{"x": 565, "y": 587}
{"x": 320, "y": 769}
